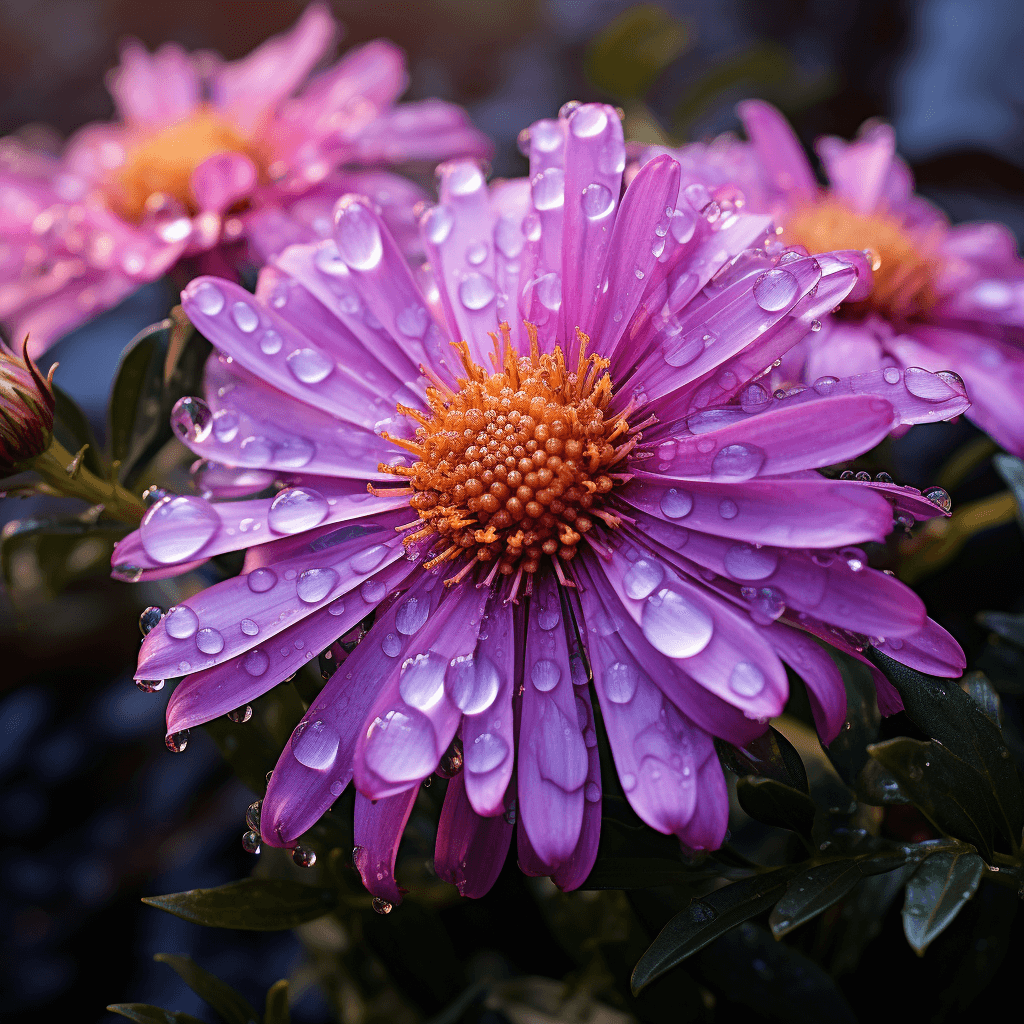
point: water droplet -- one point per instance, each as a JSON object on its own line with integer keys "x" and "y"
{"x": 592, "y": 792}
{"x": 437, "y": 223}
{"x": 181, "y": 622}
{"x": 891, "y": 375}
{"x": 485, "y": 753}
{"x": 676, "y": 503}
{"x": 175, "y": 529}
{"x": 588, "y": 120}
{"x": 241, "y": 715}
{"x": 548, "y": 189}
{"x": 304, "y": 856}
{"x": 336, "y": 607}
{"x": 927, "y": 386}
{"x": 472, "y": 683}
{"x": 643, "y": 577}
{"x": 294, "y": 453}
{"x": 545, "y": 674}
{"x": 251, "y": 842}
{"x": 191, "y": 420}
{"x": 369, "y": 559}
{"x": 549, "y": 616}
{"x": 532, "y": 227}
{"x": 548, "y": 288}
{"x": 400, "y": 744}
{"x": 225, "y": 425}
{"x": 296, "y": 509}
{"x": 465, "y": 178}
{"x": 315, "y": 584}
{"x": 620, "y": 682}
{"x": 683, "y": 350}
{"x": 391, "y": 645}
{"x": 270, "y": 343}
{"x": 256, "y": 662}
{"x": 412, "y": 615}
{"x": 629, "y": 782}
{"x": 746, "y": 680}
{"x": 357, "y": 236}
{"x": 315, "y": 745}
{"x": 597, "y": 201}
{"x": 246, "y": 318}
{"x": 826, "y": 385}
{"x": 422, "y": 680}
{"x": 727, "y": 508}
{"x": 508, "y": 238}
{"x": 176, "y": 742}
{"x": 150, "y": 685}
{"x": 476, "y": 291}
{"x": 209, "y": 641}
{"x": 939, "y": 496}
{"x": 252, "y": 815}
{"x": 476, "y": 253}
{"x": 309, "y": 366}
{"x": 150, "y": 618}
{"x": 746, "y": 562}
{"x": 261, "y": 580}
{"x": 373, "y": 591}
{"x": 775, "y": 290}
{"x": 381, "y": 906}
{"x": 413, "y": 321}
{"x": 674, "y": 625}
{"x": 209, "y": 299}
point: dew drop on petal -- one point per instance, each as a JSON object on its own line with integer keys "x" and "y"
{"x": 676, "y": 503}
{"x": 472, "y": 683}
{"x": 643, "y": 577}
{"x": 373, "y": 591}
{"x": 746, "y": 680}
{"x": 548, "y": 288}
{"x": 246, "y": 318}
{"x": 225, "y": 425}
{"x": 191, "y": 420}
{"x": 549, "y": 616}
{"x": 597, "y": 201}
{"x": 296, "y": 509}
{"x": 548, "y": 188}
{"x": 391, "y": 645}
{"x": 209, "y": 641}
{"x": 315, "y": 745}
{"x": 315, "y": 584}
{"x": 412, "y": 614}
{"x": 545, "y": 675}
{"x": 400, "y": 746}
{"x": 413, "y": 321}
{"x": 485, "y": 753}
{"x": 592, "y": 792}
{"x": 256, "y": 662}
{"x": 620, "y": 682}
{"x": 508, "y": 238}
{"x": 176, "y": 742}
{"x": 209, "y": 299}
{"x": 181, "y": 622}
{"x": 775, "y": 290}
{"x": 928, "y": 386}
{"x": 270, "y": 343}
{"x": 675, "y": 625}
{"x": 358, "y": 237}
{"x": 249, "y": 627}
{"x": 746, "y": 562}
{"x": 891, "y": 375}
{"x": 588, "y": 121}
{"x": 309, "y": 366}
{"x": 367, "y": 560}
{"x": 825, "y": 385}
{"x": 476, "y": 291}
{"x": 175, "y": 529}
{"x": 737, "y": 462}
{"x": 437, "y": 223}
{"x": 727, "y": 508}
{"x": 939, "y": 496}
{"x": 260, "y": 580}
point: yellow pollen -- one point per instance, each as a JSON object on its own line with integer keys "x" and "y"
{"x": 513, "y": 465}
{"x": 162, "y": 162}
{"x": 904, "y": 263}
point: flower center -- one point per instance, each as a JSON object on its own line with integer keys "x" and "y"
{"x": 904, "y": 264}
{"x": 161, "y": 163}
{"x": 514, "y": 465}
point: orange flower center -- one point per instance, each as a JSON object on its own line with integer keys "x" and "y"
{"x": 513, "y": 466}
{"x": 904, "y": 265}
{"x": 161, "y": 163}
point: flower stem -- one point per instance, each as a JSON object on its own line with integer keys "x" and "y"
{"x": 118, "y": 502}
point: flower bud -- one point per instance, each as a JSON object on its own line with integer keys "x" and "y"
{"x": 26, "y": 410}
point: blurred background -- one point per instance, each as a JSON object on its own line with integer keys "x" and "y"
{"x": 94, "y": 812}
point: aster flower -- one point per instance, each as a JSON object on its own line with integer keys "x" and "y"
{"x": 220, "y": 160}
{"x": 547, "y": 465}
{"x": 940, "y": 296}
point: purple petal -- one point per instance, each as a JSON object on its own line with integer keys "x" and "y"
{"x": 930, "y": 650}
{"x": 377, "y": 831}
{"x": 843, "y": 349}
{"x": 707, "y": 828}
{"x": 154, "y": 90}
{"x": 471, "y": 849}
{"x": 779, "y": 149}
{"x": 222, "y": 180}
{"x": 423, "y": 130}
{"x": 859, "y": 171}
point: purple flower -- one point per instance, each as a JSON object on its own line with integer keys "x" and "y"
{"x": 27, "y": 406}
{"x": 221, "y": 160}
{"x": 941, "y": 295}
{"x": 573, "y": 474}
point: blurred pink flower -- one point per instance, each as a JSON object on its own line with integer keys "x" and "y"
{"x": 942, "y": 296}
{"x": 546, "y": 463}
{"x": 223, "y": 160}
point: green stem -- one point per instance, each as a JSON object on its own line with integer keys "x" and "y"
{"x": 116, "y": 500}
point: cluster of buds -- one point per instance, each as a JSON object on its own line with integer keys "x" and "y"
{"x": 26, "y": 410}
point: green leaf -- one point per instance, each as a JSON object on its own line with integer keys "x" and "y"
{"x": 72, "y": 429}
{"x": 707, "y": 918}
{"x": 945, "y": 712}
{"x": 143, "y": 1013}
{"x": 277, "y": 1011}
{"x": 937, "y": 890}
{"x": 878, "y": 786}
{"x": 1011, "y": 469}
{"x": 984, "y": 694}
{"x": 813, "y": 892}
{"x": 253, "y": 904}
{"x": 770, "y": 755}
{"x": 776, "y": 804}
{"x": 1009, "y": 627}
{"x": 135, "y": 394}
{"x": 627, "y": 57}
{"x": 947, "y": 791}
{"x": 640, "y": 873}
{"x": 221, "y": 996}
{"x": 848, "y": 751}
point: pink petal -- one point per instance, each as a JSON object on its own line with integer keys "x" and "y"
{"x": 471, "y": 849}
{"x": 377, "y": 831}
{"x": 423, "y": 130}
{"x": 931, "y": 650}
{"x": 859, "y": 171}
{"x": 779, "y": 149}
{"x": 222, "y": 180}
{"x": 154, "y": 90}
{"x": 706, "y": 830}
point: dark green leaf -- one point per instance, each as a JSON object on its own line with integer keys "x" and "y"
{"x": 1009, "y": 627}
{"x": 253, "y": 904}
{"x": 984, "y": 695}
{"x": 71, "y": 428}
{"x": 937, "y": 890}
{"x": 776, "y": 804}
{"x": 707, "y": 918}
{"x": 848, "y": 751}
{"x": 812, "y": 892}
{"x": 770, "y": 755}
{"x": 143, "y": 1013}
{"x": 221, "y": 996}
{"x": 1011, "y": 469}
{"x": 945, "y": 712}
{"x": 639, "y": 873}
{"x": 627, "y": 57}
{"x": 950, "y": 793}
{"x": 878, "y": 786}
{"x": 135, "y": 394}
{"x": 277, "y": 1004}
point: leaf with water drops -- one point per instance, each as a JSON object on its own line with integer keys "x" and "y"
{"x": 144, "y": 1013}
{"x": 942, "y": 709}
{"x": 936, "y": 892}
{"x": 707, "y": 918}
{"x": 775, "y": 803}
{"x": 252, "y": 904}
{"x": 232, "y": 1007}
{"x": 812, "y": 892}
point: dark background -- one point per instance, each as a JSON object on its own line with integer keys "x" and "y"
{"x": 94, "y": 812}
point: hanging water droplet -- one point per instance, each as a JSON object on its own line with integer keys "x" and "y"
{"x": 150, "y": 685}
{"x": 240, "y": 716}
{"x": 381, "y": 906}
{"x": 252, "y": 815}
{"x": 304, "y": 856}
{"x": 176, "y": 742}
{"x": 150, "y": 618}
{"x": 251, "y": 841}
{"x": 191, "y": 420}
{"x": 938, "y": 496}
